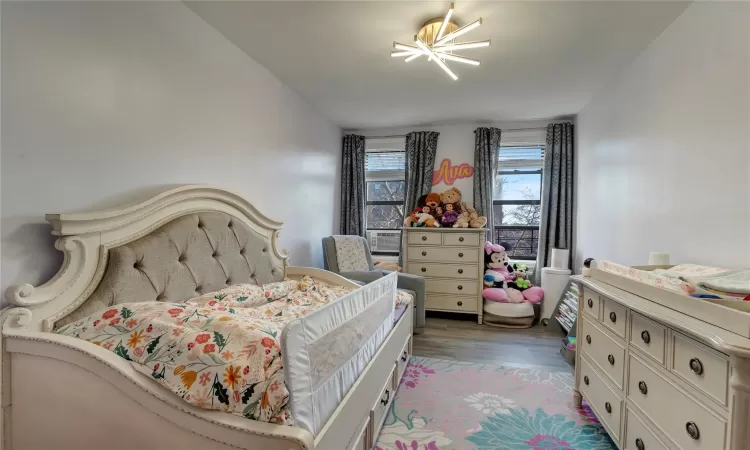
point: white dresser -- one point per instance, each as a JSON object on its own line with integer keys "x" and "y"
{"x": 452, "y": 262}
{"x": 659, "y": 379}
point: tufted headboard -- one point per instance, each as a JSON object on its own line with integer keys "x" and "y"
{"x": 172, "y": 247}
{"x": 191, "y": 255}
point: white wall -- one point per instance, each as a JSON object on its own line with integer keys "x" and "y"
{"x": 456, "y": 142}
{"x": 101, "y": 99}
{"x": 664, "y": 150}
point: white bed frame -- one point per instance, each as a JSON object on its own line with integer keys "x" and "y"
{"x": 60, "y": 392}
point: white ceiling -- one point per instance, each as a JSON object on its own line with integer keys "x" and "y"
{"x": 547, "y": 58}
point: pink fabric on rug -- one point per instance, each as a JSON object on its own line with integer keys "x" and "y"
{"x": 458, "y": 405}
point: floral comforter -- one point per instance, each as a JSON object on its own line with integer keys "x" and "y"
{"x": 219, "y": 351}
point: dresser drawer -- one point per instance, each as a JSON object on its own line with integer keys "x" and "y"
{"x": 453, "y": 255}
{"x": 424, "y": 238}
{"x": 439, "y": 286}
{"x": 466, "y": 239}
{"x": 638, "y": 436}
{"x": 604, "y": 351}
{"x": 401, "y": 363}
{"x": 361, "y": 439}
{"x": 676, "y": 413}
{"x": 456, "y": 303}
{"x": 703, "y": 368}
{"x": 469, "y": 271}
{"x": 605, "y": 402}
{"x": 648, "y": 336}
{"x": 614, "y": 316}
{"x": 380, "y": 408}
{"x": 591, "y": 303}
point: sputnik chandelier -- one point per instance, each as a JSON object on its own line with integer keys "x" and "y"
{"x": 436, "y": 41}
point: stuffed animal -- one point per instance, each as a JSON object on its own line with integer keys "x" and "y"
{"x": 475, "y": 220}
{"x": 452, "y": 195}
{"x": 463, "y": 217}
{"x": 388, "y": 265}
{"x": 426, "y": 219}
{"x": 498, "y": 272}
{"x": 432, "y": 200}
{"x": 520, "y": 270}
{"x": 412, "y": 220}
{"x": 449, "y": 216}
{"x": 439, "y": 214}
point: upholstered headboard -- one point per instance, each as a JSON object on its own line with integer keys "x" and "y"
{"x": 175, "y": 246}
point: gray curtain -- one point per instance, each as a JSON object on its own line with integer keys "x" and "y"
{"x": 353, "y": 185}
{"x": 486, "y": 147}
{"x": 421, "y": 147}
{"x": 556, "y": 226}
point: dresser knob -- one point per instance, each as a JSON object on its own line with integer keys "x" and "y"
{"x": 586, "y": 380}
{"x": 642, "y": 387}
{"x": 639, "y": 444}
{"x": 588, "y": 338}
{"x": 460, "y": 239}
{"x": 692, "y": 430}
{"x": 460, "y": 287}
{"x": 591, "y": 303}
{"x": 460, "y": 270}
{"x": 607, "y": 406}
{"x": 459, "y": 303}
{"x": 424, "y": 253}
{"x": 424, "y": 269}
{"x": 424, "y": 238}
{"x": 613, "y": 317}
{"x": 460, "y": 255}
{"x": 645, "y": 336}
{"x": 696, "y": 366}
{"x": 611, "y": 359}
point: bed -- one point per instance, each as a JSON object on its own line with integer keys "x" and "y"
{"x": 342, "y": 362}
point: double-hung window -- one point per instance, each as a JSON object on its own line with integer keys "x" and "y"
{"x": 385, "y": 163}
{"x": 517, "y": 205}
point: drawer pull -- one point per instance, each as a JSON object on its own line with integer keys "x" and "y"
{"x": 613, "y": 317}
{"x": 588, "y": 338}
{"x": 460, "y": 270}
{"x": 404, "y": 356}
{"x": 586, "y": 380}
{"x": 645, "y": 336}
{"x": 639, "y": 444}
{"x": 460, "y": 303}
{"x": 692, "y": 430}
{"x": 424, "y": 253}
{"x": 608, "y": 407}
{"x": 611, "y": 359}
{"x": 387, "y": 397}
{"x": 424, "y": 238}
{"x": 591, "y": 303}
{"x": 460, "y": 255}
{"x": 461, "y": 239}
{"x": 424, "y": 269}
{"x": 460, "y": 287}
{"x": 642, "y": 387}
{"x": 696, "y": 366}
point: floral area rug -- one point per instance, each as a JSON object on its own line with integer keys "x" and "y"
{"x": 447, "y": 405}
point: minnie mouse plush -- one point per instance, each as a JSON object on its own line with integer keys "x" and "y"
{"x": 498, "y": 272}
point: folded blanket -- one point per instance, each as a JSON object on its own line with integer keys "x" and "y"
{"x": 712, "y": 280}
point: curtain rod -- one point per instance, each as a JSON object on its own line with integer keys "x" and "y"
{"x": 502, "y": 129}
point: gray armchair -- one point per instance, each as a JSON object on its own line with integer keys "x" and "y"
{"x": 412, "y": 283}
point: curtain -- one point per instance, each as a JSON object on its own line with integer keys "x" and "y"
{"x": 421, "y": 147}
{"x": 486, "y": 147}
{"x": 353, "y": 185}
{"x": 556, "y": 226}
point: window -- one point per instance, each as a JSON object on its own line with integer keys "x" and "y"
{"x": 385, "y": 162}
{"x": 517, "y": 205}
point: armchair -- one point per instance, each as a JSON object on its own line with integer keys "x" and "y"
{"x": 414, "y": 284}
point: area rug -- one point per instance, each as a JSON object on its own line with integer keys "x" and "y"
{"x": 451, "y": 405}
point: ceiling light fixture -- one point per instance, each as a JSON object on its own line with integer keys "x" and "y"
{"x": 436, "y": 40}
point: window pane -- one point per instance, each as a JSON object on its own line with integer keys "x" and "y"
{"x": 385, "y": 161}
{"x": 385, "y": 216}
{"x": 385, "y": 191}
{"x": 518, "y": 187}
{"x": 517, "y": 214}
{"x": 522, "y": 242}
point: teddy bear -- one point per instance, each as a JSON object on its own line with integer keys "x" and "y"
{"x": 474, "y": 219}
{"x": 433, "y": 201}
{"x": 412, "y": 219}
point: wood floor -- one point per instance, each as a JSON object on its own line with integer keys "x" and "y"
{"x": 460, "y": 337}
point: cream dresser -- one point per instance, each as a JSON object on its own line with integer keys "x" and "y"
{"x": 452, "y": 262}
{"x": 659, "y": 379}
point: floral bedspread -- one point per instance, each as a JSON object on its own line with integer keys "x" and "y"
{"x": 219, "y": 351}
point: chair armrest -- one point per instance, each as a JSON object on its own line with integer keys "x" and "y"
{"x": 363, "y": 275}
{"x": 411, "y": 282}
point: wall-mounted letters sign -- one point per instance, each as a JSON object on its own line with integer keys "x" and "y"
{"x": 448, "y": 173}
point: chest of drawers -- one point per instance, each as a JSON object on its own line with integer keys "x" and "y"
{"x": 451, "y": 261}
{"x": 658, "y": 379}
